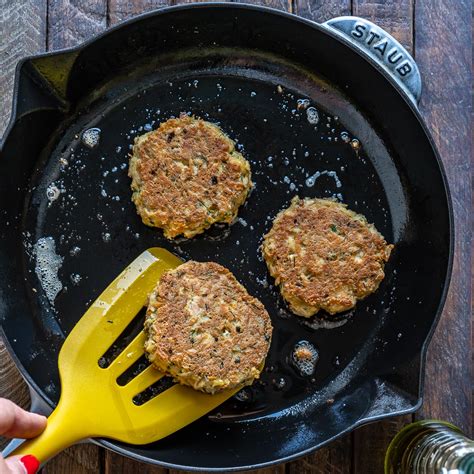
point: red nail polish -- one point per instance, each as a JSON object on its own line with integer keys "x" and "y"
{"x": 31, "y": 463}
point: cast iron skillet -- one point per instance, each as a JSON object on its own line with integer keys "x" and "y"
{"x": 245, "y": 68}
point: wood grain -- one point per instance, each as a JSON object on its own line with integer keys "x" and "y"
{"x": 445, "y": 61}
{"x": 322, "y": 10}
{"x": 12, "y": 385}
{"x": 72, "y": 22}
{"x": 79, "y": 459}
{"x": 471, "y": 162}
{"x": 115, "y": 464}
{"x": 179, "y": 2}
{"x": 334, "y": 459}
{"x": 370, "y": 443}
{"x": 286, "y": 5}
{"x": 280, "y": 469}
{"x": 395, "y": 16}
{"x": 119, "y": 10}
{"x": 23, "y": 27}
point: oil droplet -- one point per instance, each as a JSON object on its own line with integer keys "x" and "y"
{"x": 279, "y": 383}
{"x": 345, "y": 137}
{"x": 75, "y": 278}
{"x": 244, "y": 395}
{"x": 74, "y": 251}
{"x": 91, "y": 137}
{"x": 304, "y": 358}
{"x": 355, "y": 144}
{"x": 312, "y": 115}
{"x": 50, "y": 388}
{"x": 48, "y": 263}
{"x": 302, "y": 104}
{"x": 52, "y": 193}
{"x": 279, "y": 89}
{"x": 106, "y": 237}
{"x": 311, "y": 180}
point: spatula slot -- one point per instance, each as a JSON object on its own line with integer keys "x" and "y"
{"x": 153, "y": 390}
{"x": 138, "y": 367}
{"x": 122, "y": 341}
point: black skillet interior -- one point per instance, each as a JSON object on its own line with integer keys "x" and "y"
{"x": 248, "y": 70}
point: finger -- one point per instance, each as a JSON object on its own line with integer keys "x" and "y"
{"x": 4, "y": 469}
{"x": 12, "y": 466}
{"x": 18, "y": 423}
{"x": 21, "y": 465}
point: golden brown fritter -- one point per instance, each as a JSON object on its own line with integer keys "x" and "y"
{"x": 324, "y": 256}
{"x": 187, "y": 175}
{"x": 205, "y": 330}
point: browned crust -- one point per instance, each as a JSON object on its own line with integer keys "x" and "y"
{"x": 187, "y": 175}
{"x": 205, "y": 330}
{"x": 324, "y": 256}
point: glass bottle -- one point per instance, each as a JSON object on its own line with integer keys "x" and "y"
{"x": 430, "y": 447}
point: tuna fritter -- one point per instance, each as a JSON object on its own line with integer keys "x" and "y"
{"x": 205, "y": 330}
{"x": 324, "y": 256}
{"x": 187, "y": 175}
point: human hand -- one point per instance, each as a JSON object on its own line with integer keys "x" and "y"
{"x": 18, "y": 423}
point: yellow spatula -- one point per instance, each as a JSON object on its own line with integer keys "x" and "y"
{"x": 92, "y": 403}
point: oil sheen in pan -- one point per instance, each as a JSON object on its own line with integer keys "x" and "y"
{"x": 294, "y": 146}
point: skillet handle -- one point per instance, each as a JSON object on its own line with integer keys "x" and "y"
{"x": 382, "y": 49}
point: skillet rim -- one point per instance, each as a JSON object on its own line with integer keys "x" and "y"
{"x": 424, "y": 128}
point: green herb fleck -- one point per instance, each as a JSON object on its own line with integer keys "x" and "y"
{"x": 333, "y": 228}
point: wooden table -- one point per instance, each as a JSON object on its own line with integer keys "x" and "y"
{"x": 438, "y": 33}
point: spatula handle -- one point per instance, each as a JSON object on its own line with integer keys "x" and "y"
{"x": 63, "y": 430}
